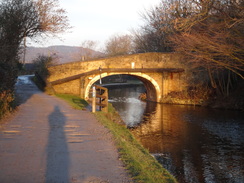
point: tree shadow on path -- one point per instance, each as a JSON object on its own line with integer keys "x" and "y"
{"x": 57, "y": 169}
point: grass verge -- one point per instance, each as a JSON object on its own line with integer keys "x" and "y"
{"x": 137, "y": 160}
{"x": 75, "y": 101}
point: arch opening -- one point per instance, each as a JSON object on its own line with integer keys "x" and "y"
{"x": 152, "y": 88}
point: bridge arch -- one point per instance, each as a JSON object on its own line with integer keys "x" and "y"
{"x": 152, "y": 87}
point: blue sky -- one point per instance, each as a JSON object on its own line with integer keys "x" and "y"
{"x": 97, "y": 20}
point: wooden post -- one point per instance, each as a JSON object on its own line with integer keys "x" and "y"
{"x": 99, "y": 98}
{"x": 105, "y": 109}
{"x": 94, "y": 99}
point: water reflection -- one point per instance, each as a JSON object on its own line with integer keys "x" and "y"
{"x": 193, "y": 143}
{"x": 126, "y": 102}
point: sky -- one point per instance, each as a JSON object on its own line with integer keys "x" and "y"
{"x": 98, "y": 20}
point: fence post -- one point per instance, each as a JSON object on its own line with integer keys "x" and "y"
{"x": 105, "y": 109}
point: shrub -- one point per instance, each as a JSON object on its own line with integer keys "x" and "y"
{"x": 6, "y": 102}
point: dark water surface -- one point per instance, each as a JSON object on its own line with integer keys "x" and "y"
{"x": 195, "y": 144}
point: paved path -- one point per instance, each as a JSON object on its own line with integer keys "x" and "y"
{"x": 46, "y": 141}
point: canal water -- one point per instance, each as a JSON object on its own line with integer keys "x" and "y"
{"x": 195, "y": 144}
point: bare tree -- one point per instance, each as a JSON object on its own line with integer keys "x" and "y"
{"x": 52, "y": 18}
{"x": 211, "y": 35}
{"x": 28, "y": 18}
{"x": 153, "y": 36}
{"x": 87, "y": 51}
{"x": 118, "y": 45}
{"x": 20, "y": 19}
{"x": 90, "y": 46}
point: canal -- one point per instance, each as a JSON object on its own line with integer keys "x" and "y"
{"x": 195, "y": 144}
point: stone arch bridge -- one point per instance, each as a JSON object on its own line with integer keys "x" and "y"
{"x": 161, "y": 73}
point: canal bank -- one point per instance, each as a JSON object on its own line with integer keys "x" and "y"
{"x": 139, "y": 163}
{"x": 137, "y": 160}
{"x": 196, "y": 144}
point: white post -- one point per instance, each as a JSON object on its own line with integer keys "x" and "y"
{"x": 132, "y": 65}
{"x": 93, "y": 99}
{"x": 100, "y": 80}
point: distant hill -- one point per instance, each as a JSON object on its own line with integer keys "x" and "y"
{"x": 63, "y": 54}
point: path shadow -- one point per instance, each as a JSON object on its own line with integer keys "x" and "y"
{"x": 57, "y": 169}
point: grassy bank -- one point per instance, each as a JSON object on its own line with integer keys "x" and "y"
{"x": 75, "y": 101}
{"x": 138, "y": 161}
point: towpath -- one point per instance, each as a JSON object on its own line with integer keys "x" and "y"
{"x": 46, "y": 141}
